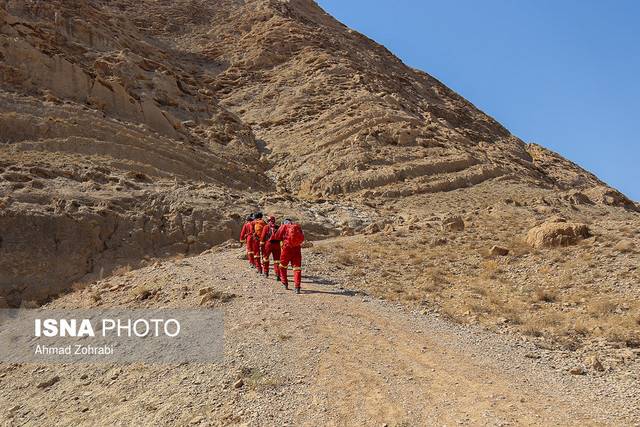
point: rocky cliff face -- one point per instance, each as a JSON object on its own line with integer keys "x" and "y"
{"x": 147, "y": 128}
{"x": 110, "y": 150}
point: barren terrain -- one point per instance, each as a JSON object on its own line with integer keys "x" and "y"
{"x": 457, "y": 275}
{"x": 330, "y": 356}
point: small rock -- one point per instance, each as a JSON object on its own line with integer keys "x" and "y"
{"x": 453, "y": 223}
{"x": 498, "y": 251}
{"x": 196, "y": 420}
{"x": 239, "y": 383}
{"x": 578, "y": 370}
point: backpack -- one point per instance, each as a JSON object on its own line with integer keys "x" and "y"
{"x": 257, "y": 227}
{"x": 271, "y": 230}
{"x": 295, "y": 236}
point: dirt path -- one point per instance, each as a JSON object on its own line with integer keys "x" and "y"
{"x": 327, "y": 357}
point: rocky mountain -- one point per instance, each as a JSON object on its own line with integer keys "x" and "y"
{"x": 135, "y": 133}
{"x": 340, "y": 114}
{"x": 133, "y": 130}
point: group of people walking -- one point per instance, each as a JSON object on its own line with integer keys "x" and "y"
{"x": 283, "y": 242}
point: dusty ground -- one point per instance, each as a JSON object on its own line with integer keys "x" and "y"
{"x": 582, "y": 297}
{"x": 330, "y": 356}
{"x": 136, "y": 131}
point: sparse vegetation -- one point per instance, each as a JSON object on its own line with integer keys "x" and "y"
{"x": 563, "y": 295}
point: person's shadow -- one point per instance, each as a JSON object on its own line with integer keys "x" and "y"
{"x": 317, "y": 280}
{"x": 345, "y": 293}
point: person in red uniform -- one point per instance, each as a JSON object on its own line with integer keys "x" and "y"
{"x": 291, "y": 236}
{"x": 246, "y": 236}
{"x": 269, "y": 247}
{"x": 258, "y": 225}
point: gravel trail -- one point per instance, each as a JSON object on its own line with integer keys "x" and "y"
{"x": 327, "y": 357}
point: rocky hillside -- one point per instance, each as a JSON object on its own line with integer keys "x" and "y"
{"x": 137, "y": 129}
{"x": 340, "y": 113}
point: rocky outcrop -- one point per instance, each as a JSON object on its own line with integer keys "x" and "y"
{"x": 557, "y": 232}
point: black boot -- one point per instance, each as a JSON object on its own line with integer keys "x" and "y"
{"x": 297, "y": 290}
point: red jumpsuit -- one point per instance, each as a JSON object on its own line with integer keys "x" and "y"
{"x": 289, "y": 254}
{"x": 270, "y": 247}
{"x": 246, "y": 234}
{"x": 257, "y": 259}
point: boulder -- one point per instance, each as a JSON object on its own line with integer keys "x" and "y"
{"x": 498, "y": 251}
{"x": 453, "y": 223}
{"x": 557, "y": 232}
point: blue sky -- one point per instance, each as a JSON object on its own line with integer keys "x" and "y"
{"x": 564, "y": 74}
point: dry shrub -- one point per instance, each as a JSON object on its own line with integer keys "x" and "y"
{"x": 434, "y": 279}
{"x": 545, "y": 269}
{"x": 565, "y": 280}
{"x": 545, "y": 295}
{"x": 78, "y": 286}
{"x": 95, "y": 296}
{"x": 582, "y": 327}
{"x": 518, "y": 247}
{"x": 415, "y": 258}
{"x": 560, "y": 257}
{"x": 122, "y": 270}
{"x": 318, "y": 250}
{"x": 539, "y": 324}
{"x": 531, "y": 329}
{"x": 141, "y": 291}
{"x": 625, "y": 246}
{"x": 490, "y": 269}
{"x": 602, "y": 307}
{"x": 478, "y": 289}
{"x": 348, "y": 259}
